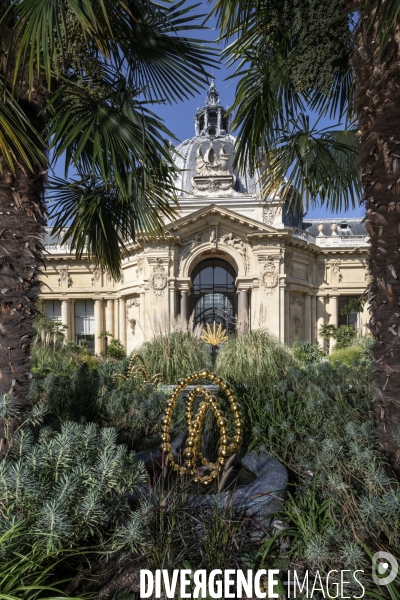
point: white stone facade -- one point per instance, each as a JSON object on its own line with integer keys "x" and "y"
{"x": 289, "y": 274}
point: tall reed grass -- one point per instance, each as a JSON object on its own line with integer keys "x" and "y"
{"x": 175, "y": 355}
{"x": 255, "y": 357}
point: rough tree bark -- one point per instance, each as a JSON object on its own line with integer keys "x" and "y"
{"x": 378, "y": 106}
{"x": 22, "y": 220}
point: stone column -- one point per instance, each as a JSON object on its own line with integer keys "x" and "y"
{"x": 122, "y": 321}
{"x": 116, "y": 318}
{"x": 110, "y": 316}
{"x": 142, "y": 315}
{"x": 172, "y": 306}
{"x": 364, "y": 317}
{"x": 334, "y": 312}
{"x": 243, "y": 311}
{"x": 65, "y": 317}
{"x": 307, "y": 317}
{"x": 287, "y": 317}
{"x": 98, "y": 326}
{"x": 72, "y": 321}
{"x": 320, "y": 319}
{"x": 313, "y": 319}
{"x": 184, "y": 306}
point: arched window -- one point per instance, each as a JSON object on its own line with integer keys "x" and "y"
{"x": 214, "y": 295}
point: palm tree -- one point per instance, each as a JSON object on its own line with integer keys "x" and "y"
{"x": 77, "y": 78}
{"x": 340, "y": 59}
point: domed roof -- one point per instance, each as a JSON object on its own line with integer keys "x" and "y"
{"x": 205, "y": 160}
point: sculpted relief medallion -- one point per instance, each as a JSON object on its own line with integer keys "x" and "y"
{"x": 269, "y": 277}
{"x": 158, "y": 279}
{"x": 64, "y": 279}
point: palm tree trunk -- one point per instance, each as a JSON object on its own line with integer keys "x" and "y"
{"x": 22, "y": 220}
{"x": 378, "y": 106}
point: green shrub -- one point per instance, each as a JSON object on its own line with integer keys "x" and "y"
{"x": 319, "y": 422}
{"x": 347, "y": 356}
{"x": 306, "y": 353}
{"x": 115, "y": 349}
{"x": 67, "y": 394}
{"x": 344, "y": 336}
{"x": 28, "y": 573}
{"x": 135, "y": 413}
{"x": 175, "y": 355}
{"x": 69, "y": 486}
{"x": 255, "y": 358}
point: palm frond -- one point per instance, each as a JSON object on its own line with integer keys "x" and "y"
{"x": 105, "y": 128}
{"x": 20, "y": 143}
{"x": 140, "y": 37}
{"x": 41, "y": 32}
{"x": 160, "y": 60}
{"x": 387, "y": 14}
{"x": 101, "y": 220}
{"x": 318, "y": 164}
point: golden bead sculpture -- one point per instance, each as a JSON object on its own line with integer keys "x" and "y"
{"x": 192, "y": 454}
{"x": 140, "y": 369}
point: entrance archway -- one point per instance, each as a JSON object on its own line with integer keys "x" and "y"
{"x": 214, "y": 294}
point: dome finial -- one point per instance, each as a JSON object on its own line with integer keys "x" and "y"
{"x": 212, "y": 97}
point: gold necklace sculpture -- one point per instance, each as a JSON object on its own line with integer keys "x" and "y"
{"x": 192, "y": 454}
{"x": 140, "y": 369}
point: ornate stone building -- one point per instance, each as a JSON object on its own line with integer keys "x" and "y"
{"x": 228, "y": 257}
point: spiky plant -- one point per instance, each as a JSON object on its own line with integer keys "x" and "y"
{"x": 319, "y": 422}
{"x": 175, "y": 355}
{"x": 257, "y": 355}
{"x": 69, "y": 486}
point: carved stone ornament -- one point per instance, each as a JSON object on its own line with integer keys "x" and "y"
{"x": 213, "y": 175}
{"x": 335, "y": 270}
{"x": 365, "y": 264}
{"x": 269, "y": 277}
{"x": 64, "y": 279}
{"x": 132, "y": 324}
{"x": 132, "y": 302}
{"x": 140, "y": 265}
{"x": 235, "y": 242}
{"x": 321, "y": 270}
{"x": 96, "y": 274}
{"x": 310, "y": 270}
{"x": 296, "y": 300}
{"x": 158, "y": 279}
{"x": 213, "y": 236}
{"x": 268, "y": 215}
{"x": 129, "y": 304}
{"x": 194, "y": 241}
{"x": 288, "y": 262}
{"x": 296, "y": 321}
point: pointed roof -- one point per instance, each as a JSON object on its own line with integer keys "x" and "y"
{"x": 223, "y": 214}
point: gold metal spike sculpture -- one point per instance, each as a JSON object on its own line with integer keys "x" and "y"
{"x": 192, "y": 454}
{"x": 135, "y": 369}
{"x": 214, "y": 336}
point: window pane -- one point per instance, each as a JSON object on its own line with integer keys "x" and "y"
{"x": 84, "y": 317}
{"x": 52, "y": 309}
{"x": 213, "y": 297}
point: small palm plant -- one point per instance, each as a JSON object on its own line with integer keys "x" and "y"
{"x": 215, "y": 337}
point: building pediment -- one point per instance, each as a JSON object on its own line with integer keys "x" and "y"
{"x": 225, "y": 220}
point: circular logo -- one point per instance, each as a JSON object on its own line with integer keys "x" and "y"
{"x": 384, "y": 568}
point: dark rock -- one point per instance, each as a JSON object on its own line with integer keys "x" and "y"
{"x": 260, "y": 498}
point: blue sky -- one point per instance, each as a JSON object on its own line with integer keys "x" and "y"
{"x": 179, "y": 117}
